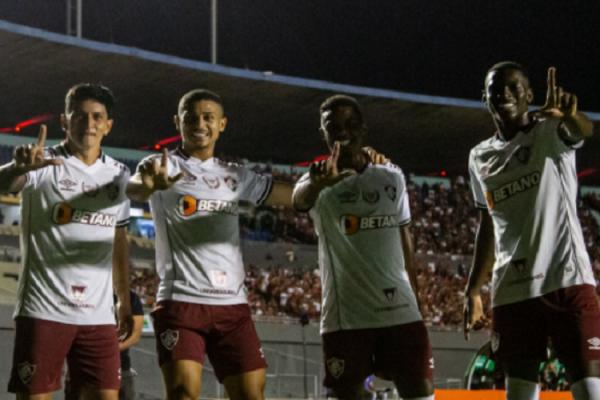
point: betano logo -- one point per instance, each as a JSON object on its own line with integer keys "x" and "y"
{"x": 64, "y": 213}
{"x": 351, "y": 223}
{"x": 510, "y": 189}
{"x": 189, "y": 205}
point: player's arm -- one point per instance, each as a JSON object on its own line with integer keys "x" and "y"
{"x": 281, "y": 195}
{"x": 136, "y": 333}
{"x": 321, "y": 175}
{"x": 483, "y": 262}
{"x": 408, "y": 249}
{"x": 152, "y": 175}
{"x": 25, "y": 158}
{"x": 575, "y": 125}
{"x": 121, "y": 281}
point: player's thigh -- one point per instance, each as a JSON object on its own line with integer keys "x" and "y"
{"x": 348, "y": 356}
{"x": 94, "y": 360}
{"x": 575, "y": 330}
{"x": 520, "y": 338}
{"x": 40, "y": 350}
{"x": 183, "y": 379}
{"x": 248, "y": 385}
{"x": 403, "y": 354}
{"x": 180, "y": 332}
{"x": 233, "y": 346}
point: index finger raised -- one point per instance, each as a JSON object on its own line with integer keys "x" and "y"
{"x": 41, "y": 142}
{"x": 163, "y": 158}
{"x": 551, "y": 94}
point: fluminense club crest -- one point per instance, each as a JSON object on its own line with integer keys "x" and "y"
{"x": 169, "y": 338}
{"x": 335, "y": 366}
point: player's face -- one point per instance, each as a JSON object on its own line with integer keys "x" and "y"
{"x": 508, "y": 95}
{"x": 200, "y": 126}
{"x": 343, "y": 124}
{"x": 86, "y": 125}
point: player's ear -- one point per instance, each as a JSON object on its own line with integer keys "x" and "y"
{"x": 176, "y": 121}
{"x": 529, "y": 96}
{"x": 483, "y": 97}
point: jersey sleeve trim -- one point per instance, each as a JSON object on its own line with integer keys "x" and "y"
{"x": 480, "y": 206}
{"x": 266, "y": 192}
{"x": 123, "y": 223}
{"x": 405, "y": 222}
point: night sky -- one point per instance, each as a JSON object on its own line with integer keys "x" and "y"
{"x": 421, "y": 46}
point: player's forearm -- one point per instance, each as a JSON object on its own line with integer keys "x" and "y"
{"x": 12, "y": 178}
{"x": 409, "y": 260}
{"x": 281, "y": 195}
{"x": 484, "y": 257}
{"x": 121, "y": 267}
{"x": 578, "y": 127}
{"x": 137, "y": 191}
{"x": 305, "y": 195}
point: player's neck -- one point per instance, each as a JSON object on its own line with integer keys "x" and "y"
{"x": 86, "y": 155}
{"x": 355, "y": 160}
{"x": 508, "y": 129}
{"x": 202, "y": 154}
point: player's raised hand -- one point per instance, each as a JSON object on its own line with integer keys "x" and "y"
{"x": 31, "y": 156}
{"x": 559, "y": 104}
{"x": 325, "y": 172}
{"x": 154, "y": 174}
{"x": 473, "y": 315}
{"x": 374, "y": 156}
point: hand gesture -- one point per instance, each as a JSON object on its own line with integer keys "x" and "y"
{"x": 31, "y": 157}
{"x": 559, "y": 104}
{"x": 325, "y": 172}
{"x": 374, "y": 156}
{"x": 155, "y": 175}
{"x": 474, "y": 316}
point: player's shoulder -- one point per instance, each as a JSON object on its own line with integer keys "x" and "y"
{"x": 115, "y": 164}
{"x": 230, "y": 167}
{"x": 388, "y": 168}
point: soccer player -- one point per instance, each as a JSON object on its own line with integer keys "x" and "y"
{"x": 202, "y": 305}
{"x": 524, "y": 181}
{"x": 74, "y": 214}
{"x": 370, "y": 321}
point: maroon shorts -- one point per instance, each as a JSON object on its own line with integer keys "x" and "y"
{"x": 570, "y": 317}
{"x": 395, "y": 351}
{"x": 92, "y": 353}
{"x": 187, "y": 331}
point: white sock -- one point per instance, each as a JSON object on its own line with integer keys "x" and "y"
{"x": 420, "y": 398}
{"x": 520, "y": 389}
{"x": 586, "y": 389}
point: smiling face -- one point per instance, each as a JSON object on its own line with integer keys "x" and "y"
{"x": 86, "y": 124}
{"x": 508, "y": 95}
{"x": 200, "y": 126}
{"x": 343, "y": 124}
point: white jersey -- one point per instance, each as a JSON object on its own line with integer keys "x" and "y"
{"x": 68, "y": 215}
{"x": 364, "y": 280}
{"x": 529, "y": 186}
{"x": 198, "y": 256}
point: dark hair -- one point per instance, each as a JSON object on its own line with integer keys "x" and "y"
{"x": 339, "y": 100}
{"x": 505, "y": 66}
{"x": 86, "y": 91}
{"x": 196, "y": 95}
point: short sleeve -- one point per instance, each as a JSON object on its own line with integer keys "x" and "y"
{"x": 403, "y": 205}
{"x": 302, "y": 182}
{"x": 476, "y": 187}
{"x": 255, "y": 187}
{"x": 124, "y": 209}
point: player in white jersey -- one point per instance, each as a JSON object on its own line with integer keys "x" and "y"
{"x": 74, "y": 214}
{"x": 524, "y": 180}
{"x": 370, "y": 321}
{"x": 202, "y": 305}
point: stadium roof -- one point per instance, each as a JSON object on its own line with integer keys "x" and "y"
{"x": 271, "y": 117}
